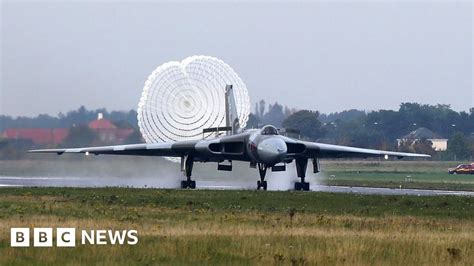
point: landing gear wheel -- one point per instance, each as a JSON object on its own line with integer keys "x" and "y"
{"x": 188, "y": 184}
{"x": 301, "y": 165}
{"x": 305, "y": 186}
{"x": 297, "y": 186}
{"x": 261, "y": 184}
{"x": 302, "y": 186}
{"x": 262, "y": 169}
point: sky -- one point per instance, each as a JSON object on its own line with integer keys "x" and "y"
{"x": 318, "y": 55}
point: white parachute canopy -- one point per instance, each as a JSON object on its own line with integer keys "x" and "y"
{"x": 180, "y": 99}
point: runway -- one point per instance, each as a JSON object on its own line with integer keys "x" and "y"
{"x": 15, "y": 181}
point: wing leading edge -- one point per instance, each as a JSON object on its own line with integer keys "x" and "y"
{"x": 181, "y": 148}
{"x": 156, "y": 149}
{"x": 321, "y": 150}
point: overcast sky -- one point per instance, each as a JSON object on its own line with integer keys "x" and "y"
{"x": 326, "y": 56}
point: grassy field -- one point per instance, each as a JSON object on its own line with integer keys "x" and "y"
{"x": 243, "y": 227}
{"x": 408, "y": 174}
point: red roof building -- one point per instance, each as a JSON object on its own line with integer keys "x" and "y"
{"x": 107, "y": 132}
{"x": 41, "y": 136}
{"x": 101, "y": 124}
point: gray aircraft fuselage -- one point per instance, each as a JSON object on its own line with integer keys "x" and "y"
{"x": 263, "y": 146}
{"x": 266, "y": 149}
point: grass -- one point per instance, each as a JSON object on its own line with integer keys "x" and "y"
{"x": 393, "y": 174}
{"x": 183, "y": 227}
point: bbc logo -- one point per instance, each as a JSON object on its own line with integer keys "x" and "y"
{"x": 43, "y": 237}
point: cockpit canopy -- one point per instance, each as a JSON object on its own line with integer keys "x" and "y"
{"x": 269, "y": 130}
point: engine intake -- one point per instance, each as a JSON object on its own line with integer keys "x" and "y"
{"x": 295, "y": 148}
{"x": 227, "y": 148}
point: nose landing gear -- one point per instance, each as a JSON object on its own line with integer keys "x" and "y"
{"x": 262, "y": 170}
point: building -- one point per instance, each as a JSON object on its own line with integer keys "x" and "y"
{"x": 438, "y": 143}
{"x": 108, "y": 132}
{"x": 39, "y": 136}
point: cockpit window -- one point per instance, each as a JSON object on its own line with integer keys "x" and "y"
{"x": 269, "y": 130}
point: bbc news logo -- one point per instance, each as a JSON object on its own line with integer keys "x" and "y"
{"x": 66, "y": 237}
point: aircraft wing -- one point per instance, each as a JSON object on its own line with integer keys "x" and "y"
{"x": 320, "y": 150}
{"x": 156, "y": 149}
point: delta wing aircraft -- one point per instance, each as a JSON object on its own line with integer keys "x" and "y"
{"x": 263, "y": 148}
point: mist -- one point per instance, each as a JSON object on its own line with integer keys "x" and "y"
{"x": 140, "y": 172}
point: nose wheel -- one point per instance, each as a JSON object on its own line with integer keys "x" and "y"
{"x": 262, "y": 170}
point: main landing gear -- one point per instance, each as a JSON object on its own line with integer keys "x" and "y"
{"x": 187, "y": 166}
{"x": 262, "y": 170}
{"x": 301, "y": 165}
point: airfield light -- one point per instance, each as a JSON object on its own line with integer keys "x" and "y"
{"x": 385, "y": 156}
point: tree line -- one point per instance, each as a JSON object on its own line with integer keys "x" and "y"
{"x": 375, "y": 129}
{"x": 81, "y": 116}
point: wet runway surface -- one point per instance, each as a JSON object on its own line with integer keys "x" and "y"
{"x": 7, "y": 181}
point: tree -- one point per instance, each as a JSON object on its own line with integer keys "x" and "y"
{"x": 135, "y": 137}
{"x": 405, "y": 145}
{"x": 423, "y": 146}
{"x": 79, "y": 136}
{"x": 261, "y": 109}
{"x": 288, "y": 111}
{"x": 458, "y": 147}
{"x": 14, "y": 149}
{"x": 367, "y": 138}
{"x": 253, "y": 121}
{"x": 275, "y": 115}
{"x": 307, "y": 122}
{"x": 347, "y": 116}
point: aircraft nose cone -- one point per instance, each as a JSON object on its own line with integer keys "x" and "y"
{"x": 271, "y": 151}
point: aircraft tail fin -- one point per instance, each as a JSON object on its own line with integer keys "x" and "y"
{"x": 232, "y": 118}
